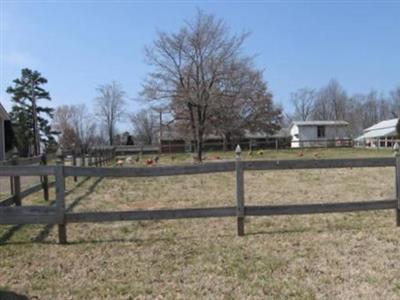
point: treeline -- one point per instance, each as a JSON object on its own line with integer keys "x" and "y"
{"x": 332, "y": 102}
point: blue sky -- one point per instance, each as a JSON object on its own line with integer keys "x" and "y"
{"x": 78, "y": 45}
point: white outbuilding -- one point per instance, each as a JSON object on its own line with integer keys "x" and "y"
{"x": 380, "y": 135}
{"x": 320, "y": 134}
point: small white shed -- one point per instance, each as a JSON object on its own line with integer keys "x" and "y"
{"x": 3, "y": 117}
{"x": 319, "y": 134}
{"x": 380, "y": 135}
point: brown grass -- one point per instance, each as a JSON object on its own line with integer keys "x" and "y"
{"x": 345, "y": 256}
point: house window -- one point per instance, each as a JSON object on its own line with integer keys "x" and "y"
{"x": 321, "y": 131}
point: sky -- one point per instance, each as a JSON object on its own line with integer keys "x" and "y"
{"x": 78, "y": 45}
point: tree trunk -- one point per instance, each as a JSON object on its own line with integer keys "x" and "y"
{"x": 36, "y": 139}
{"x": 193, "y": 126}
{"x": 200, "y": 148}
{"x": 110, "y": 136}
{"x": 224, "y": 148}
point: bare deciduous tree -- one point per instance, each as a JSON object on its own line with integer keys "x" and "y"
{"x": 76, "y": 126}
{"x": 144, "y": 125}
{"x": 303, "y": 101}
{"x": 84, "y": 125}
{"x": 395, "y": 102}
{"x": 330, "y": 103}
{"x": 189, "y": 66}
{"x": 62, "y": 124}
{"x": 110, "y": 105}
{"x": 245, "y": 104}
{"x": 360, "y": 110}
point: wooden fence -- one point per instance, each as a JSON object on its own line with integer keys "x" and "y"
{"x": 56, "y": 214}
{"x": 94, "y": 157}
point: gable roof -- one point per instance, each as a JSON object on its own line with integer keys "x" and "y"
{"x": 381, "y": 129}
{"x": 383, "y": 125}
{"x": 319, "y": 123}
{"x": 3, "y": 113}
{"x": 383, "y": 132}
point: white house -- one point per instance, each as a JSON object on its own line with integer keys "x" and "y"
{"x": 319, "y": 134}
{"x": 380, "y": 135}
{"x": 3, "y": 117}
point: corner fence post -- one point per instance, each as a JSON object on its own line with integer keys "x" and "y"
{"x": 45, "y": 181}
{"x": 239, "y": 192}
{"x": 60, "y": 197}
{"x": 397, "y": 155}
{"x": 16, "y": 180}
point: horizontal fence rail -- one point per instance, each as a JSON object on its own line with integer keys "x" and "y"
{"x": 141, "y": 215}
{"x": 150, "y": 171}
{"x": 28, "y": 215}
{"x": 319, "y": 164}
{"x": 57, "y": 214}
{"x": 319, "y": 208}
{"x": 26, "y": 171}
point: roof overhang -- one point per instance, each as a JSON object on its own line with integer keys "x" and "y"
{"x": 318, "y": 123}
{"x": 384, "y": 132}
{"x": 3, "y": 113}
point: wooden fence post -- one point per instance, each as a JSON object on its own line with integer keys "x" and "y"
{"x": 95, "y": 157}
{"x": 45, "y": 181}
{"x": 239, "y": 192}
{"x": 74, "y": 162}
{"x": 90, "y": 158}
{"x": 16, "y": 180}
{"x": 60, "y": 195}
{"x": 397, "y": 155}
{"x": 99, "y": 157}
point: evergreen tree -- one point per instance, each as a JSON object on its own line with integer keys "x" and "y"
{"x": 30, "y": 121}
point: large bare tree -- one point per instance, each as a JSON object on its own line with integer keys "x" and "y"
{"x": 110, "y": 104}
{"x": 189, "y": 66}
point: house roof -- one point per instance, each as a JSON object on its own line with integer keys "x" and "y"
{"x": 3, "y": 113}
{"x": 383, "y": 132}
{"x": 318, "y": 123}
{"x": 283, "y": 132}
{"x": 381, "y": 129}
{"x": 384, "y": 124}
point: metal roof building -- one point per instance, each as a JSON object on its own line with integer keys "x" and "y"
{"x": 382, "y": 134}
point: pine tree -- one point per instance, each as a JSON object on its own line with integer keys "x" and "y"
{"x": 30, "y": 121}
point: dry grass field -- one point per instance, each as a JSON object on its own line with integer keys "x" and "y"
{"x": 339, "y": 256}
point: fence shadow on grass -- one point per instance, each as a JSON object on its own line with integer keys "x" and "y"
{"x": 44, "y": 233}
{"x": 7, "y": 295}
